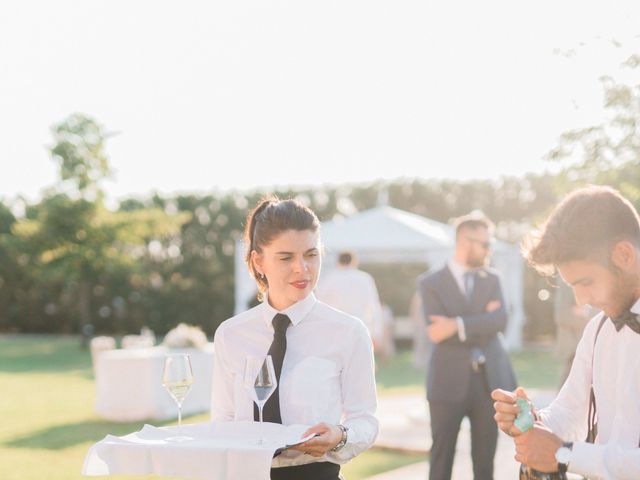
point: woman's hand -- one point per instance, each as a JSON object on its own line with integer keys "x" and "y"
{"x": 327, "y": 437}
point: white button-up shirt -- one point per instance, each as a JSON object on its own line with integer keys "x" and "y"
{"x": 616, "y": 383}
{"x": 458, "y": 271}
{"x": 354, "y": 292}
{"x": 327, "y": 374}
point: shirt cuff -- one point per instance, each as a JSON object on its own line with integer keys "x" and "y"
{"x": 462, "y": 335}
{"x": 361, "y": 435}
{"x": 586, "y": 458}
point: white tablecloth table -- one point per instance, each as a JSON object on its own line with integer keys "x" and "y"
{"x": 214, "y": 451}
{"x": 129, "y": 384}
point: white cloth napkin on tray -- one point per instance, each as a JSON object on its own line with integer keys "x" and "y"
{"x": 213, "y": 451}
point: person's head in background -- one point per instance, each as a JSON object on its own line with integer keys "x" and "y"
{"x": 347, "y": 259}
{"x": 283, "y": 250}
{"x": 593, "y": 239}
{"x": 473, "y": 240}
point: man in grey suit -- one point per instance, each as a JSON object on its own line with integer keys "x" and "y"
{"x": 465, "y": 313}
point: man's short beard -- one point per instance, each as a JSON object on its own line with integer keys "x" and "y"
{"x": 476, "y": 262}
{"x": 626, "y": 287}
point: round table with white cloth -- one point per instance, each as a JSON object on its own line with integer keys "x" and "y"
{"x": 129, "y": 383}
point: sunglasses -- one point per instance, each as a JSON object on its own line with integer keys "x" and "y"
{"x": 484, "y": 244}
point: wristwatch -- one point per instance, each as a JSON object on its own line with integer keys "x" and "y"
{"x": 563, "y": 456}
{"x": 343, "y": 440}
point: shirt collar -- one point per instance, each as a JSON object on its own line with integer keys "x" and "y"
{"x": 295, "y": 312}
{"x": 635, "y": 308}
{"x": 457, "y": 268}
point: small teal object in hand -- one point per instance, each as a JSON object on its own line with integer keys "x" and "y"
{"x": 524, "y": 420}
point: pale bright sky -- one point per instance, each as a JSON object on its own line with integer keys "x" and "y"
{"x": 240, "y": 94}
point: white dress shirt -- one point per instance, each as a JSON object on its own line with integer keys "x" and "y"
{"x": 616, "y": 383}
{"x": 458, "y": 272}
{"x": 327, "y": 374}
{"x": 354, "y": 292}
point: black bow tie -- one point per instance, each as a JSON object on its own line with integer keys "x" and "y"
{"x": 629, "y": 319}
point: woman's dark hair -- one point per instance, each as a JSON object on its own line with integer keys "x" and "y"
{"x": 268, "y": 219}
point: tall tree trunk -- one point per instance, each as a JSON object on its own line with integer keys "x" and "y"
{"x": 84, "y": 303}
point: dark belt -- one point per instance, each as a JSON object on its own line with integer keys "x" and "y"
{"x": 308, "y": 471}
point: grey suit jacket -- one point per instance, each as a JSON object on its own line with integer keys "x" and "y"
{"x": 450, "y": 367}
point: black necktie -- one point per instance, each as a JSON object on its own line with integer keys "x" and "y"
{"x": 469, "y": 282}
{"x": 271, "y": 410}
{"x": 629, "y": 319}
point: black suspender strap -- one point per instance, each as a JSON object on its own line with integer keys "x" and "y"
{"x": 592, "y": 422}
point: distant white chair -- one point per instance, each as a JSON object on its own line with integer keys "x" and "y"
{"x": 137, "y": 341}
{"x": 100, "y": 344}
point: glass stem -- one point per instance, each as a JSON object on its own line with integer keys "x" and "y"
{"x": 179, "y": 415}
{"x": 260, "y": 428}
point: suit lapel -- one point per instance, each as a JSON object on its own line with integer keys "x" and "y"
{"x": 450, "y": 285}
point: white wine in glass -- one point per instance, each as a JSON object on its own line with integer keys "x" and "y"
{"x": 179, "y": 390}
{"x": 177, "y": 378}
{"x": 260, "y": 380}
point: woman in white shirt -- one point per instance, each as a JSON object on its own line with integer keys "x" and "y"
{"x": 327, "y": 374}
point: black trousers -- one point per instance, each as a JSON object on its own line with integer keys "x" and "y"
{"x": 445, "y": 424}
{"x": 309, "y": 471}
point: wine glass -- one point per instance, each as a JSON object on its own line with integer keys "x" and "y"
{"x": 260, "y": 380}
{"x": 177, "y": 378}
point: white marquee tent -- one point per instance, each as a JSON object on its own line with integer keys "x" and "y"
{"x": 388, "y": 235}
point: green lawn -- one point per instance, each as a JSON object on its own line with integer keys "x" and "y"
{"x": 538, "y": 367}
{"x": 48, "y": 422}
